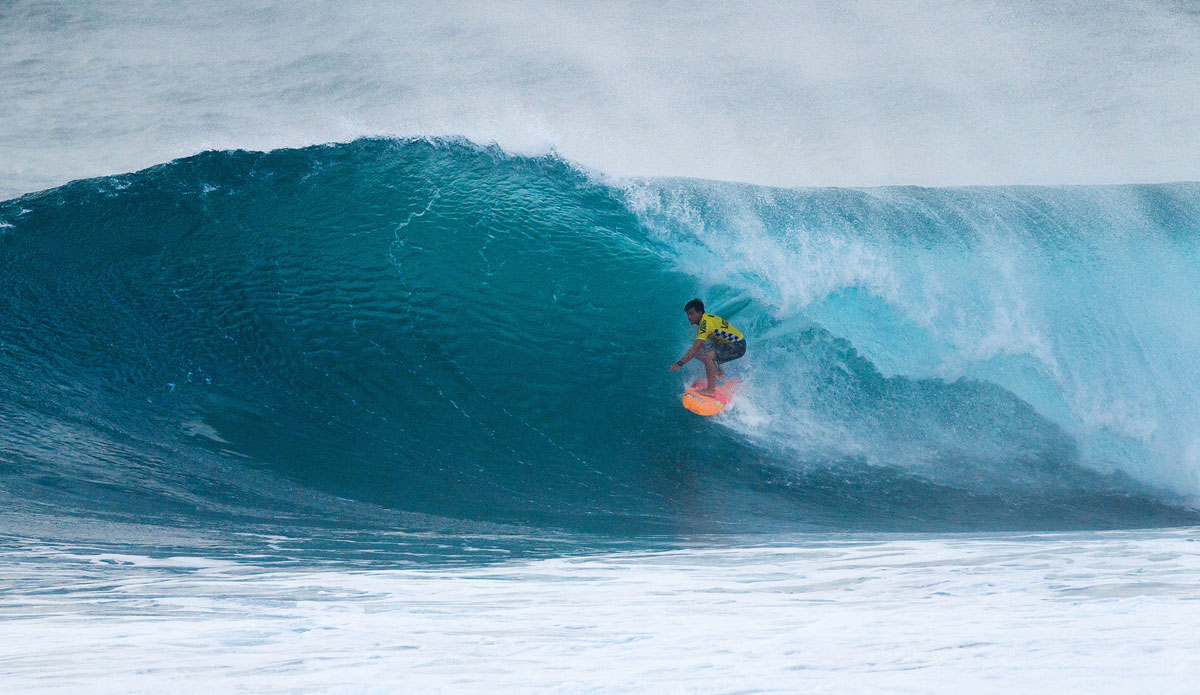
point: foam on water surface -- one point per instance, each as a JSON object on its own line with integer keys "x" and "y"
{"x": 1102, "y": 612}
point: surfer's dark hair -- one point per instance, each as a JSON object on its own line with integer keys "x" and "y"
{"x": 694, "y": 304}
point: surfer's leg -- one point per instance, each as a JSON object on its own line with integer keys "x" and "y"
{"x": 727, "y": 352}
{"x": 710, "y": 371}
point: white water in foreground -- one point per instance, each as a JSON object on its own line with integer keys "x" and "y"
{"x": 1090, "y": 613}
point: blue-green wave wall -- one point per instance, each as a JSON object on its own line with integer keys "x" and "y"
{"x": 444, "y": 329}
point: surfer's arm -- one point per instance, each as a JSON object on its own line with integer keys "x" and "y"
{"x": 696, "y": 346}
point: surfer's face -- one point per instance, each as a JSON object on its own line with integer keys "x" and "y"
{"x": 693, "y": 316}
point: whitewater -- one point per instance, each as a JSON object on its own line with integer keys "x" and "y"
{"x": 333, "y": 348}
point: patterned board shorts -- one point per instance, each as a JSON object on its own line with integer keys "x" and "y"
{"x": 726, "y": 352}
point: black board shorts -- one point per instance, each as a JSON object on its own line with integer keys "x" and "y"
{"x": 726, "y": 352}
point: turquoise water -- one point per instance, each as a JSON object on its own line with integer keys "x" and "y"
{"x": 394, "y": 414}
{"x": 345, "y": 335}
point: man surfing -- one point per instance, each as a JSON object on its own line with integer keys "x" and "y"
{"x": 717, "y": 342}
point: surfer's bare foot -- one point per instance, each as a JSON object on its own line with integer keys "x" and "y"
{"x": 707, "y": 392}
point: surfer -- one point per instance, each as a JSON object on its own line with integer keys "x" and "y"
{"x": 717, "y": 342}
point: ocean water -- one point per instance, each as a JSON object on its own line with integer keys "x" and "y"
{"x": 1110, "y": 612}
{"x": 378, "y": 399}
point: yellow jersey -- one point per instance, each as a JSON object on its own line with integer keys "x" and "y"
{"x": 718, "y": 329}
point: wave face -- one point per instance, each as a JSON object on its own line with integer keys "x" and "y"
{"x": 440, "y": 329}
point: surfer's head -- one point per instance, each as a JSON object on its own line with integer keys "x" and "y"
{"x": 694, "y": 310}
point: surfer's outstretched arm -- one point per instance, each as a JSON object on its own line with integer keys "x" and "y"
{"x": 687, "y": 356}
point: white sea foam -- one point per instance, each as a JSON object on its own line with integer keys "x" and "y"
{"x": 1077, "y": 301}
{"x": 861, "y": 93}
{"x": 1096, "y": 613}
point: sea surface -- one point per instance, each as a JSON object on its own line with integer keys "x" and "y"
{"x": 384, "y": 405}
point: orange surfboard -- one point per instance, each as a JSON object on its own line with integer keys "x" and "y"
{"x": 710, "y": 405}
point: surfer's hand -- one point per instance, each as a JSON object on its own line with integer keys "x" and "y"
{"x": 674, "y": 366}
